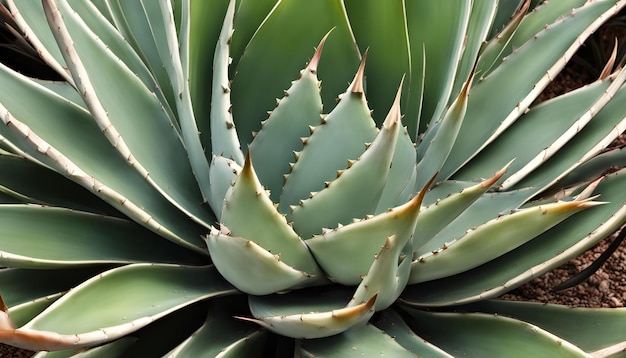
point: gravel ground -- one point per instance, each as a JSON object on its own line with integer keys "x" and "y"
{"x": 605, "y": 288}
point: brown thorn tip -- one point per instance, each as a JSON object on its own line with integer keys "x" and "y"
{"x": 608, "y": 68}
{"x": 247, "y": 164}
{"x": 357, "y": 83}
{"x": 312, "y": 66}
{"x": 394, "y": 116}
{"x": 417, "y": 200}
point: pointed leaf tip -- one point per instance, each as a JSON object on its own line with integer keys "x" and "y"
{"x": 350, "y": 312}
{"x": 419, "y": 198}
{"x": 489, "y": 182}
{"x": 312, "y": 66}
{"x": 247, "y": 170}
{"x": 608, "y": 68}
{"x": 357, "y": 85}
{"x": 394, "y": 116}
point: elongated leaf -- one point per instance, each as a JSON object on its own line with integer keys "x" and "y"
{"x": 381, "y": 28}
{"x": 28, "y": 285}
{"x": 315, "y": 316}
{"x": 481, "y": 20}
{"x": 589, "y": 328}
{"x": 273, "y": 49}
{"x": 351, "y": 124}
{"x": 440, "y": 143}
{"x": 130, "y": 19}
{"x": 299, "y": 110}
{"x": 88, "y": 159}
{"x": 437, "y": 31}
{"x": 355, "y": 343}
{"x": 482, "y": 335}
{"x": 574, "y": 112}
{"x": 223, "y": 336}
{"x": 264, "y": 274}
{"x": 361, "y": 241}
{"x": 437, "y": 216}
{"x": 492, "y": 51}
{"x": 224, "y": 137}
{"x": 504, "y": 234}
{"x": 119, "y": 46}
{"x": 548, "y": 251}
{"x": 30, "y": 17}
{"x": 206, "y": 20}
{"x": 63, "y": 237}
{"x": 249, "y": 213}
{"x": 110, "y": 103}
{"x": 356, "y": 191}
{"x": 40, "y": 185}
{"x": 390, "y": 322}
{"x": 223, "y": 174}
{"x": 166, "y": 287}
{"x": 500, "y": 98}
{"x": 174, "y": 56}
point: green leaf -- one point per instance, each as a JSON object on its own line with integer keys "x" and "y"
{"x": 273, "y": 146}
{"x": 265, "y": 272}
{"x": 224, "y": 139}
{"x": 502, "y": 234}
{"x": 64, "y": 237}
{"x": 29, "y": 15}
{"x": 444, "y": 135}
{"x": 250, "y": 15}
{"x": 113, "y": 93}
{"x": 312, "y": 316}
{"x": 88, "y": 159}
{"x": 480, "y": 22}
{"x": 356, "y": 342}
{"x": 380, "y": 26}
{"x": 39, "y": 185}
{"x": 437, "y": 216}
{"x": 361, "y": 241}
{"x": 491, "y": 53}
{"x": 223, "y": 173}
{"x": 560, "y": 120}
{"x": 250, "y": 214}
{"x": 223, "y": 336}
{"x": 437, "y": 32}
{"x": 390, "y": 322}
{"x": 273, "y": 49}
{"x": 500, "y": 98}
{"x": 351, "y": 124}
{"x": 117, "y": 44}
{"x": 174, "y": 57}
{"x": 206, "y": 20}
{"x": 132, "y": 20}
{"x": 24, "y": 312}
{"x": 149, "y": 292}
{"x": 402, "y": 174}
{"x": 482, "y": 335}
{"x": 592, "y": 329}
{"x": 23, "y": 286}
{"x": 542, "y": 254}
{"x": 356, "y": 190}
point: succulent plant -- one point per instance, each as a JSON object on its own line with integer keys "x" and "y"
{"x": 150, "y": 205}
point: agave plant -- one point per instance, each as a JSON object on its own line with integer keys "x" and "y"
{"x": 150, "y": 205}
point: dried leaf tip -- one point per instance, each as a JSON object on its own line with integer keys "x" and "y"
{"x": 419, "y": 198}
{"x": 247, "y": 169}
{"x": 357, "y": 85}
{"x": 489, "y": 182}
{"x": 312, "y": 66}
{"x": 394, "y": 116}
{"x": 608, "y": 68}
